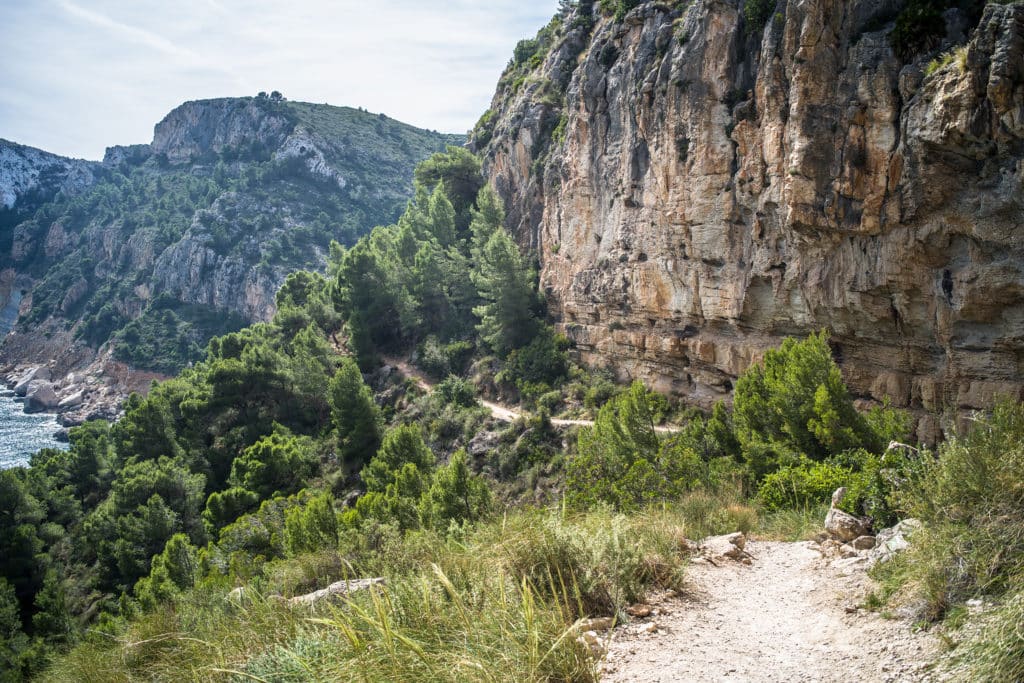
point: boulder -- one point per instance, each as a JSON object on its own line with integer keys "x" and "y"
{"x": 729, "y": 546}
{"x": 72, "y": 400}
{"x": 335, "y": 591}
{"x": 842, "y": 525}
{"x": 893, "y": 540}
{"x": 40, "y": 397}
{"x": 21, "y": 387}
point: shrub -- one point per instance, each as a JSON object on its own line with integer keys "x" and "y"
{"x": 457, "y": 391}
{"x": 524, "y": 50}
{"x": 971, "y": 499}
{"x": 276, "y": 464}
{"x": 996, "y": 652}
{"x": 919, "y": 27}
{"x": 621, "y": 462}
{"x": 608, "y": 54}
{"x": 542, "y": 361}
{"x": 312, "y": 527}
{"x": 756, "y": 13}
{"x": 805, "y": 485}
{"x": 796, "y": 401}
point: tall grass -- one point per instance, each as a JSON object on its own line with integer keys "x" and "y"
{"x": 500, "y": 603}
{"x": 996, "y": 653}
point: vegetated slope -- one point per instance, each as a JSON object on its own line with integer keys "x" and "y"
{"x": 164, "y": 245}
{"x": 703, "y": 178}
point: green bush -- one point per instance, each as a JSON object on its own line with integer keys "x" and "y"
{"x": 542, "y": 361}
{"x": 919, "y": 27}
{"x": 795, "y": 402}
{"x": 808, "y": 484}
{"x": 457, "y": 391}
{"x": 995, "y": 653}
{"x": 971, "y": 498}
{"x": 756, "y": 13}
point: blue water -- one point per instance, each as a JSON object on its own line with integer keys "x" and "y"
{"x": 22, "y": 435}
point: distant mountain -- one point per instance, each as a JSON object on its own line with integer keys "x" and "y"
{"x": 160, "y": 246}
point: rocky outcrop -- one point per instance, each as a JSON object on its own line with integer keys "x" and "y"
{"x": 32, "y": 375}
{"x": 197, "y": 128}
{"x": 197, "y": 270}
{"x": 700, "y": 189}
{"x": 30, "y": 172}
{"x": 335, "y": 592}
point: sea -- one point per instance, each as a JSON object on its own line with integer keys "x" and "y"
{"x": 21, "y": 435}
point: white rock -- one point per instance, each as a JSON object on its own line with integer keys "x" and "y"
{"x": 336, "y": 590}
{"x": 729, "y": 546}
{"x": 842, "y": 525}
{"x": 40, "y": 396}
{"x": 72, "y": 400}
{"x": 21, "y": 388}
{"x": 863, "y": 542}
{"x": 893, "y": 540}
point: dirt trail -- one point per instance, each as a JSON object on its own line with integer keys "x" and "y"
{"x": 786, "y": 617}
{"x": 498, "y": 411}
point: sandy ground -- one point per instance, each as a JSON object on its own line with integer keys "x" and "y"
{"x": 785, "y": 617}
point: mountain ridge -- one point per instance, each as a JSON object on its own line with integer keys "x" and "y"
{"x": 191, "y": 236}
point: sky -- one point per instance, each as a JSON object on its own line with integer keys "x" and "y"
{"x": 77, "y": 76}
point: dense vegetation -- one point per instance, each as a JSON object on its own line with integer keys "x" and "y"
{"x": 106, "y": 259}
{"x": 277, "y": 465}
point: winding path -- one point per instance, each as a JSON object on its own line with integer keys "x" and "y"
{"x": 498, "y": 411}
{"x": 786, "y": 617}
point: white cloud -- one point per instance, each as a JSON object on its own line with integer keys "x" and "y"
{"x": 79, "y": 75}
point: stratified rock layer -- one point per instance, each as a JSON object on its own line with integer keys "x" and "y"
{"x": 717, "y": 189}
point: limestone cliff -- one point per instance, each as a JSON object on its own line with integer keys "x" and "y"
{"x": 27, "y": 173}
{"x": 697, "y": 188}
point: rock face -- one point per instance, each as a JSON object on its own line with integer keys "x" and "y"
{"x": 705, "y": 189}
{"x": 203, "y": 126}
{"x": 27, "y": 172}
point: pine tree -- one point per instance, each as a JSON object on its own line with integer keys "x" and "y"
{"x": 402, "y": 445}
{"x": 488, "y": 217}
{"x": 356, "y": 417}
{"x": 442, "y": 217}
{"x": 505, "y": 284}
{"x": 456, "y": 494}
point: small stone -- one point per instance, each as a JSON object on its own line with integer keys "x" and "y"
{"x": 639, "y": 611}
{"x": 597, "y": 624}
